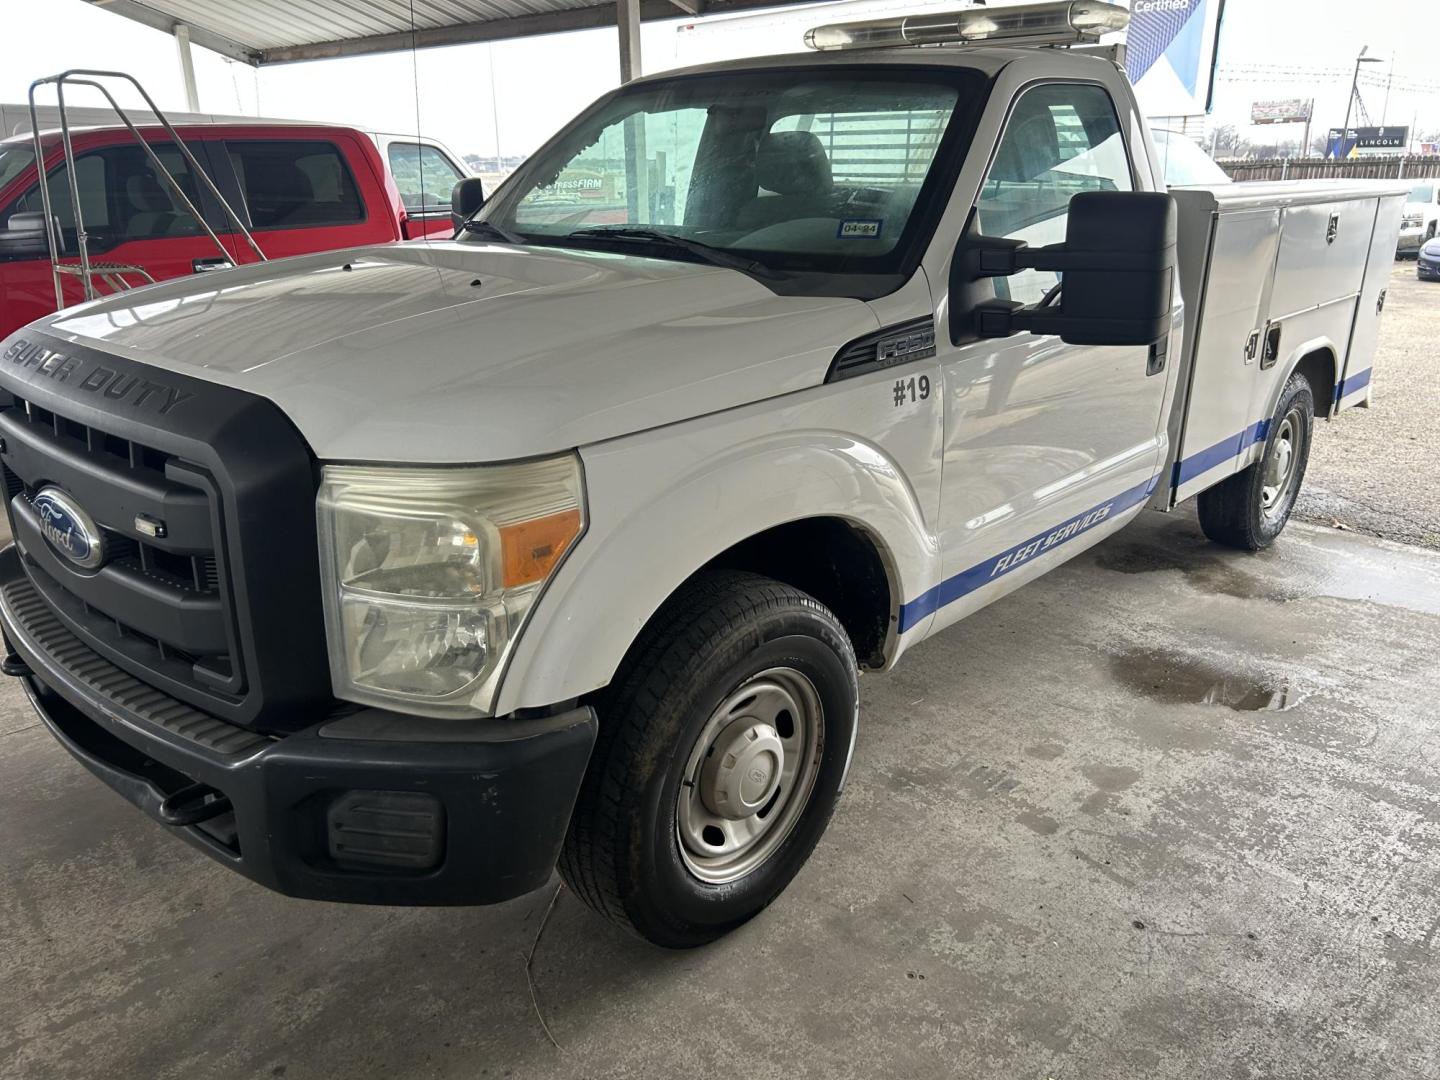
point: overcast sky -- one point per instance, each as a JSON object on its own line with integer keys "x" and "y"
{"x": 544, "y": 81}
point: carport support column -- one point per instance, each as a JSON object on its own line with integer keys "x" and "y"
{"x": 627, "y": 13}
{"x": 187, "y": 67}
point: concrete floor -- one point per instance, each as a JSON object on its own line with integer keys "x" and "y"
{"x": 1373, "y": 470}
{"x": 1170, "y": 812}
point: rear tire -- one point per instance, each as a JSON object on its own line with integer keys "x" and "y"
{"x": 1250, "y": 509}
{"x": 724, "y": 743}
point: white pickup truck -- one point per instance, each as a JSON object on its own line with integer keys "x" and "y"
{"x": 400, "y": 574}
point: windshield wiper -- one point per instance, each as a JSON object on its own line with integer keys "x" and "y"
{"x": 704, "y": 252}
{"x": 476, "y": 227}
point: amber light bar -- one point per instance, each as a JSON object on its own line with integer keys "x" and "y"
{"x": 1070, "y": 22}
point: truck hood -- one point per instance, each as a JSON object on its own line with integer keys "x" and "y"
{"x": 450, "y": 352}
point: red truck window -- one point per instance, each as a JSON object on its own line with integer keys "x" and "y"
{"x": 121, "y": 195}
{"x": 13, "y": 161}
{"x": 296, "y": 184}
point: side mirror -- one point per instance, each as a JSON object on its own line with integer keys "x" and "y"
{"x": 466, "y": 197}
{"x": 1117, "y": 266}
{"x": 25, "y": 237}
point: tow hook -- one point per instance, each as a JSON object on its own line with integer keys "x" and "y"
{"x": 192, "y": 805}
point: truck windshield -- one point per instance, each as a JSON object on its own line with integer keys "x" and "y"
{"x": 1422, "y": 193}
{"x": 805, "y": 175}
{"x": 13, "y": 161}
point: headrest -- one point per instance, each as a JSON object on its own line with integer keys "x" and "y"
{"x": 793, "y": 163}
{"x": 277, "y": 180}
{"x": 1030, "y": 147}
{"x": 147, "y": 195}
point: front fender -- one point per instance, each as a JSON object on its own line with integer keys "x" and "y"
{"x": 664, "y": 504}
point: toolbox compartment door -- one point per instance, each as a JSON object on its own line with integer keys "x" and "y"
{"x": 1225, "y": 326}
{"x": 1353, "y": 381}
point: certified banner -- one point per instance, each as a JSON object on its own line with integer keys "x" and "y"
{"x": 1170, "y": 54}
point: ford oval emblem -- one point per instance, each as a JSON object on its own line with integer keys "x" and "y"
{"x": 69, "y": 529}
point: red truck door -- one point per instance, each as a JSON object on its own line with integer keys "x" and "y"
{"x": 304, "y": 193}
{"x": 131, "y": 216}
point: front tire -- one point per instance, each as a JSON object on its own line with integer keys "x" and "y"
{"x": 724, "y": 743}
{"x": 1250, "y": 509}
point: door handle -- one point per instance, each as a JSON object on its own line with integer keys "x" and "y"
{"x": 1159, "y": 353}
{"x": 1252, "y": 346}
{"x": 205, "y": 266}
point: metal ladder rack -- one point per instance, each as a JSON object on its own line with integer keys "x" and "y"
{"x": 113, "y": 275}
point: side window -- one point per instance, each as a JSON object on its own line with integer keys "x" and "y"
{"x": 1061, "y": 139}
{"x": 295, "y": 184}
{"x": 122, "y": 197}
{"x": 424, "y": 176}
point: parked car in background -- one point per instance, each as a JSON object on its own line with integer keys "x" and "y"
{"x": 299, "y": 188}
{"x": 1427, "y": 262}
{"x": 425, "y": 172}
{"x": 1421, "y": 221}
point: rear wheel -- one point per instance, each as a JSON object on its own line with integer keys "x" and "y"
{"x": 1250, "y": 509}
{"x": 723, "y": 747}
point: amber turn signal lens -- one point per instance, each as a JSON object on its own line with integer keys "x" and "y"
{"x": 530, "y": 549}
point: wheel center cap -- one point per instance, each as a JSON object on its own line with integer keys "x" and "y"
{"x": 743, "y": 769}
{"x": 1280, "y": 464}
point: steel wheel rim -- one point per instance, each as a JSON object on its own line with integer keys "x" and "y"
{"x": 1280, "y": 472}
{"x": 735, "y": 809}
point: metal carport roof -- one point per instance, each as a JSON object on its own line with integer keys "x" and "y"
{"x": 282, "y": 31}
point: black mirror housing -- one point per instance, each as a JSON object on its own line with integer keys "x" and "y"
{"x": 466, "y": 197}
{"x": 1117, "y": 266}
{"x": 24, "y": 237}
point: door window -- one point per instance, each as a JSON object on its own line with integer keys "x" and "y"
{"x": 123, "y": 198}
{"x": 296, "y": 184}
{"x": 424, "y": 175}
{"x": 1061, "y": 140}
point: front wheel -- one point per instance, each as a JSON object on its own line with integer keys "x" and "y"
{"x": 723, "y": 746}
{"x": 1250, "y": 509}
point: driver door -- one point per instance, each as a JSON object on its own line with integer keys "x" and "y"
{"x": 132, "y": 218}
{"x": 1044, "y": 441}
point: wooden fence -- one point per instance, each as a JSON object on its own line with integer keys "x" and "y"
{"x": 1370, "y": 168}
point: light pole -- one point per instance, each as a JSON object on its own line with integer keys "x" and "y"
{"x": 1354, "y": 88}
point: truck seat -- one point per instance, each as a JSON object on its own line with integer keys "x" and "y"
{"x": 152, "y": 210}
{"x": 793, "y": 165}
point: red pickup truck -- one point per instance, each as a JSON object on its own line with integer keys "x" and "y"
{"x": 300, "y": 188}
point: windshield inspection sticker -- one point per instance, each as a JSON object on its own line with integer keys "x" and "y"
{"x": 860, "y": 229}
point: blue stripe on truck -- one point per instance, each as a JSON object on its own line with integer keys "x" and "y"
{"x": 1225, "y": 450}
{"x": 997, "y": 566}
{"x": 1358, "y": 381}
{"x": 967, "y": 581}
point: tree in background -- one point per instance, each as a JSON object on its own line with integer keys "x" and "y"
{"x": 1227, "y": 143}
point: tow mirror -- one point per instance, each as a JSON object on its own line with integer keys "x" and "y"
{"x": 24, "y": 237}
{"x": 1117, "y": 268}
{"x": 466, "y": 197}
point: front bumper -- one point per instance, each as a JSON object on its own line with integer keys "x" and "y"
{"x": 1410, "y": 239}
{"x": 369, "y": 807}
{"x": 1427, "y": 269}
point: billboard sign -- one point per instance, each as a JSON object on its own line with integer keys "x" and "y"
{"x": 1287, "y": 111}
{"x": 1170, "y": 54}
{"x": 1359, "y": 141}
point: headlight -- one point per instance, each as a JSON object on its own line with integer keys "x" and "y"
{"x": 429, "y": 574}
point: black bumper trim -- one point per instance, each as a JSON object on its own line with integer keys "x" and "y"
{"x": 506, "y": 786}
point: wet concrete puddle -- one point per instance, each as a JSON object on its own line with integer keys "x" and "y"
{"x": 1189, "y": 680}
